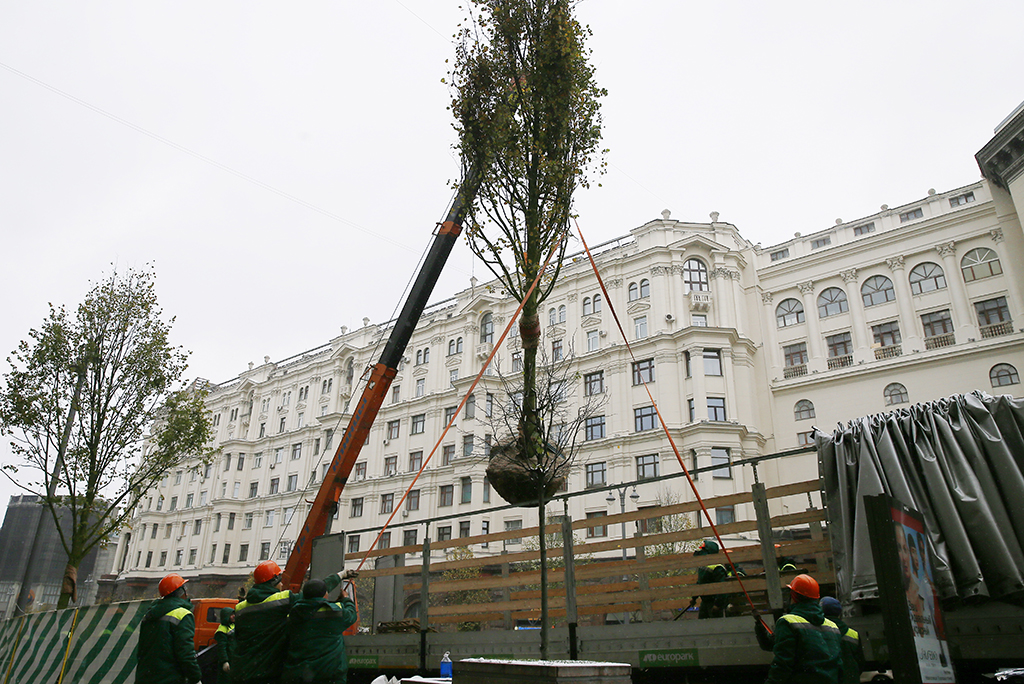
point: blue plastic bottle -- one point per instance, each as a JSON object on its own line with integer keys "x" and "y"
{"x": 446, "y": 666}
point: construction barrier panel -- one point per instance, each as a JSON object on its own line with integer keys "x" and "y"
{"x": 88, "y": 645}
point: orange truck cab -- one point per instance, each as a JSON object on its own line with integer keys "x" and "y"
{"x": 207, "y": 614}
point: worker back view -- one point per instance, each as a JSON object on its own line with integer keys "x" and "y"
{"x": 807, "y": 644}
{"x": 316, "y": 643}
{"x": 260, "y": 621}
{"x": 853, "y": 652}
{"x": 711, "y": 605}
{"x": 166, "y": 652}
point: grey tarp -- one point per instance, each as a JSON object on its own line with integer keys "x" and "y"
{"x": 958, "y": 461}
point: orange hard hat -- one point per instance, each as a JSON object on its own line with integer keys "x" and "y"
{"x": 266, "y": 571}
{"x": 806, "y": 586}
{"x": 171, "y": 583}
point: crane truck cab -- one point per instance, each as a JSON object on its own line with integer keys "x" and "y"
{"x": 207, "y": 615}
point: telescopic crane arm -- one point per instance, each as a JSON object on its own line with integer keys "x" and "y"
{"x": 377, "y": 385}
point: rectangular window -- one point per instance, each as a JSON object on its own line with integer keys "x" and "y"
{"x": 178, "y": 556}
{"x": 511, "y": 525}
{"x": 265, "y": 551}
{"x": 593, "y": 383}
{"x": 647, "y": 467}
{"x": 396, "y": 394}
{"x": 213, "y": 554}
{"x": 421, "y": 387}
{"x": 227, "y": 554}
{"x": 268, "y": 518}
{"x": 353, "y": 543}
{"x": 281, "y": 425}
{"x": 781, "y": 254}
{"x": 257, "y": 460}
{"x": 447, "y": 495}
{"x": 596, "y": 475}
{"x": 699, "y": 320}
{"x": 839, "y": 345}
{"x": 644, "y": 418}
{"x": 296, "y": 451}
{"x": 409, "y": 538}
{"x": 593, "y": 340}
{"x": 795, "y": 354}
{"x": 961, "y": 200}
{"x": 293, "y": 482}
{"x": 447, "y": 454}
{"x": 247, "y": 523}
{"x": 419, "y": 424}
{"x": 804, "y": 439}
{"x": 937, "y": 323}
{"x": 231, "y": 521}
{"x": 192, "y": 553}
{"x": 487, "y": 491}
{"x": 467, "y": 490}
{"x": 360, "y": 471}
{"x": 453, "y": 376}
{"x": 864, "y": 229}
{"x": 278, "y": 454}
{"x": 444, "y": 533}
{"x": 821, "y": 242}
{"x": 275, "y": 485}
{"x": 188, "y": 500}
{"x": 263, "y": 430}
{"x": 467, "y": 446}
{"x": 594, "y": 428}
{"x": 725, "y": 515}
{"x": 149, "y": 557}
{"x": 556, "y": 350}
{"x": 300, "y": 419}
{"x": 470, "y": 406}
{"x": 393, "y": 428}
{"x": 716, "y": 408}
{"x": 415, "y": 461}
{"x": 911, "y": 215}
{"x": 643, "y": 371}
{"x": 640, "y": 327}
{"x": 387, "y": 503}
{"x": 356, "y": 510}
{"x": 243, "y": 553}
{"x": 174, "y": 502}
{"x": 385, "y": 541}
{"x": 328, "y": 438}
{"x": 489, "y": 405}
{"x": 412, "y": 502}
{"x": 463, "y": 529}
{"x": 517, "y": 362}
{"x": 390, "y": 465}
{"x": 197, "y": 526}
{"x": 992, "y": 311}
{"x": 597, "y": 530}
{"x": 720, "y": 458}
{"x": 886, "y": 334}
{"x": 712, "y": 362}
{"x": 163, "y": 559}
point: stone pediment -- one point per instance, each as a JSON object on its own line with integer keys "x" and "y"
{"x": 590, "y": 321}
{"x": 556, "y": 331}
{"x": 637, "y": 307}
{"x": 420, "y": 371}
{"x": 453, "y": 360}
{"x": 696, "y": 241}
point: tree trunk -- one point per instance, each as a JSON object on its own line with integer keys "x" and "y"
{"x": 68, "y": 587}
{"x": 543, "y": 573}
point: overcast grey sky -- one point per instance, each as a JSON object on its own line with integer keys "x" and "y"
{"x": 283, "y": 164}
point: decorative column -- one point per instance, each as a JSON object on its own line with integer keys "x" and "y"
{"x": 700, "y": 393}
{"x": 1010, "y": 273}
{"x": 909, "y": 327}
{"x": 723, "y": 301}
{"x": 701, "y": 459}
{"x": 861, "y": 341}
{"x": 771, "y": 342}
{"x": 678, "y": 288}
{"x": 731, "y": 407}
{"x": 661, "y": 292}
{"x": 964, "y": 318}
{"x": 816, "y": 360}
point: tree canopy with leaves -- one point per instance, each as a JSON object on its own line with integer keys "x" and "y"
{"x": 76, "y": 404}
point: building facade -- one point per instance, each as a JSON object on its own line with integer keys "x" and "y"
{"x": 744, "y": 349}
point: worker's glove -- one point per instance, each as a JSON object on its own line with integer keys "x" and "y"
{"x": 693, "y": 602}
{"x": 226, "y": 667}
{"x": 348, "y": 574}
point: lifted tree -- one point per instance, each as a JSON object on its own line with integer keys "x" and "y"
{"x": 527, "y": 115}
{"x": 77, "y": 401}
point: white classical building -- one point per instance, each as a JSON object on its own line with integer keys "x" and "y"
{"x": 745, "y": 349}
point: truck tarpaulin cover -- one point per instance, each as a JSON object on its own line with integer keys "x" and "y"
{"x": 958, "y": 461}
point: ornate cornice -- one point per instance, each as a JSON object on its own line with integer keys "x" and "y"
{"x": 613, "y": 283}
{"x": 661, "y": 271}
{"x": 720, "y": 272}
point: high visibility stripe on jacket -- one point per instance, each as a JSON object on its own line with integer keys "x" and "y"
{"x": 166, "y": 653}
{"x": 807, "y": 647}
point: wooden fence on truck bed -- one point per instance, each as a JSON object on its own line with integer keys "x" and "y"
{"x": 502, "y": 590}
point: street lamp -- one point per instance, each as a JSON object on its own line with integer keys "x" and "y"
{"x": 622, "y": 509}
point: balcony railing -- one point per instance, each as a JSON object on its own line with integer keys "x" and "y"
{"x": 940, "y": 341}
{"x": 840, "y": 361}
{"x": 700, "y": 301}
{"x": 997, "y": 330}
{"x": 794, "y": 371}
{"x": 888, "y": 352}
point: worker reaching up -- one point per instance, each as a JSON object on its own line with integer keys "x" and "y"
{"x": 260, "y": 625}
{"x": 316, "y": 643}
{"x": 166, "y": 653}
{"x": 711, "y": 605}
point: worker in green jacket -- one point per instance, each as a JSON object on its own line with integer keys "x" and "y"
{"x": 807, "y": 644}
{"x": 853, "y": 652}
{"x": 260, "y": 621}
{"x": 711, "y": 605}
{"x": 316, "y": 645}
{"x": 166, "y": 653}
{"x": 225, "y": 638}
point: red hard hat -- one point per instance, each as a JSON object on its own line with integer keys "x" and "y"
{"x": 171, "y": 583}
{"x": 806, "y": 586}
{"x": 266, "y": 571}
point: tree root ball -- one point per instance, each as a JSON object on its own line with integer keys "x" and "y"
{"x": 514, "y": 480}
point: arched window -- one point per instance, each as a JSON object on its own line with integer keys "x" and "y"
{"x": 634, "y": 292}
{"x": 877, "y": 290}
{"x": 551, "y": 316}
{"x": 695, "y": 275}
{"x": 926, "y": 277}
{"x": 451, "y": 347}
{"x": 597, "y": 303}
{"x": 419, "y": 356}
{"x": 561, "y": 314}
{"x": 831, "y": 302}
{"x": 426, "y": 355}
{"x": 895, "y": 394}
{"x": 487, "y": 328}
{"x": 979, "y": 263}
{"x": 804, "y": 410}
{"x": 458, "y": 345}
{"x": 588, "y": 306}
{"x": 350, "y": 372}
{"x": 789, "y": 312}
{"x": 1003, "y": 374}
{"x": 645, "y": 288}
